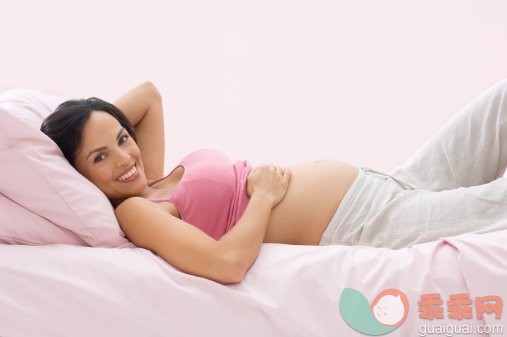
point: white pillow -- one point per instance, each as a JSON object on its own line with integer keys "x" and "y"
{"x": 43, "y": 198}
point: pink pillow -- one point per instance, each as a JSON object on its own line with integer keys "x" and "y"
{"x": 43, "y": 199}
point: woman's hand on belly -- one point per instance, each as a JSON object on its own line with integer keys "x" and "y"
{"x": 269, "y": 180}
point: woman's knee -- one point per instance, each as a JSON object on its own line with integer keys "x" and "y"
{"x": 500, "y": 88}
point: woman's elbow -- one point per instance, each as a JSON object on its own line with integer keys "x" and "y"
{"x": 233, "y": 270}
{"x": 237, "y": 272}
{"x": 152, "y": 90}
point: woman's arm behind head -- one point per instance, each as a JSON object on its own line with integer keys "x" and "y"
{"x": 143, "y": 107}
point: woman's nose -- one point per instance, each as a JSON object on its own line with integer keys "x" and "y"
{"x": 124, "y": 157}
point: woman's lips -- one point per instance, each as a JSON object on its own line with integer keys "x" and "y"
{"x": 130, "y": 175}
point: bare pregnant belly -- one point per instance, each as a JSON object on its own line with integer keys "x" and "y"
{"x": 315, "y": 192}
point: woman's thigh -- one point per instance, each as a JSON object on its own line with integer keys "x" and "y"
{"x": 470, "y": 150}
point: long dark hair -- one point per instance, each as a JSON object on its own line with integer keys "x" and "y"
{"x": 65, "y": 125}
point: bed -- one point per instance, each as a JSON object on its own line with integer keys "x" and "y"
{"x": 66, "y": 268}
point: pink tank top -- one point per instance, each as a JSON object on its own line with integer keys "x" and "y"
{"x": 211, "y": 194}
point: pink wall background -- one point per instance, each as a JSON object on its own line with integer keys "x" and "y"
{"x": 277, "y": 81}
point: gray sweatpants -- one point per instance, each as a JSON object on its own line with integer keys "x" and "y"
{"x": 454, "y": 184}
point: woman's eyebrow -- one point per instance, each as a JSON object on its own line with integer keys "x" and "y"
{"x": 105, "y": 147}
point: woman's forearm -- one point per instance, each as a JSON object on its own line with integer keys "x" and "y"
{"x": 143, "y": 108}
{"x": 242, "y": 242}
{"x": 240, "y": 246}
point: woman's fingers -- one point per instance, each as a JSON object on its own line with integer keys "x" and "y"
{"x": 271, "y": 179}
{"x": 278, "y": 169}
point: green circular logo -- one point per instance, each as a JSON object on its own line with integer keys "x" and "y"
{"x": 385, "y": 313}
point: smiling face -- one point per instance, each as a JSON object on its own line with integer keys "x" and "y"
{"x": 110, "y": 158}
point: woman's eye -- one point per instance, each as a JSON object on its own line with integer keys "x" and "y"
{"x": 99, "y": 157}
{"x": 123, "y": 139}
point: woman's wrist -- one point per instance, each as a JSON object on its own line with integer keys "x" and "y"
{"x": 265, "y": 197}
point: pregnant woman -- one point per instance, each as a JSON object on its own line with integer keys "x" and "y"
{"x": 209, "y": 216}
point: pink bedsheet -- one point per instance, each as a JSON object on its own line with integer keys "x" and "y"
{"x": 63, "y": 290}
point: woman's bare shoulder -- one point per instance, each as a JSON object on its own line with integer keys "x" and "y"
{"x": 133, "y": 205}
{"x": 140, "y": 204}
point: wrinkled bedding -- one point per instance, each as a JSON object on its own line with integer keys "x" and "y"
{"x": 65, "y": 290}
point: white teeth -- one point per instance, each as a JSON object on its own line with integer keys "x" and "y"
{"x": 128, "y": 174}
